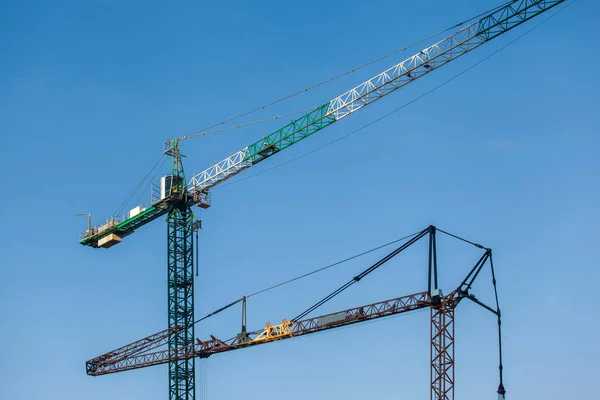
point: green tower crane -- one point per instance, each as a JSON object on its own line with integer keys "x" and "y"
{"x": 178, "y": 195}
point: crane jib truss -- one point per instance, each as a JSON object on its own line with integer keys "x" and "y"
{"x": 399, "y": 75}
{"x": 184, "y": 194}
{"x": 117, "y": 361}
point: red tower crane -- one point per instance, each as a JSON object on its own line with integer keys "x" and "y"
{"x": 143, "y": 353}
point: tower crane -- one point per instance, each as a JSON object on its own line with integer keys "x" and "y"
{"x": 143, "y": 353}
{"x": 178, "y": 195}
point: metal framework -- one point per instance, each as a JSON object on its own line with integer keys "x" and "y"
{"x": 442, "y": 348}
{"x": 122, "y": 359}
{"x": 180, "y": 282}
{"x": 185, "y": 194}
{"x": 143, "y": 345}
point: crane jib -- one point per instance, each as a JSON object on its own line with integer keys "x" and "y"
{"x": 427, "y": 60}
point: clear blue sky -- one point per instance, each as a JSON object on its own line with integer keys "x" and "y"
{"x": 507, "y": 154}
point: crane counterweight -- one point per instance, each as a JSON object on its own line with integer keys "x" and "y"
{"x": 109, "y": 241}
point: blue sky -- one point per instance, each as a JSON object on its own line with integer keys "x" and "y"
{"x": 506, "y": 155}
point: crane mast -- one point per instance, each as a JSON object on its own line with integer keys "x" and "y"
{"x": 178, "y": 195}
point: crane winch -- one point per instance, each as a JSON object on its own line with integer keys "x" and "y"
{"x": 178, "y": 195}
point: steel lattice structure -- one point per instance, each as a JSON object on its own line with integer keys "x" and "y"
{"x": 181, "y": 300}
{"x": 177, "y": 203}
{"x": 120, "y": 360}
{"x": 442, "y": 348}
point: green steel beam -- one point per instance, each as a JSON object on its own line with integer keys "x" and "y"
{"x": 128, "y": 226}
{"x": 292, "y": 133}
